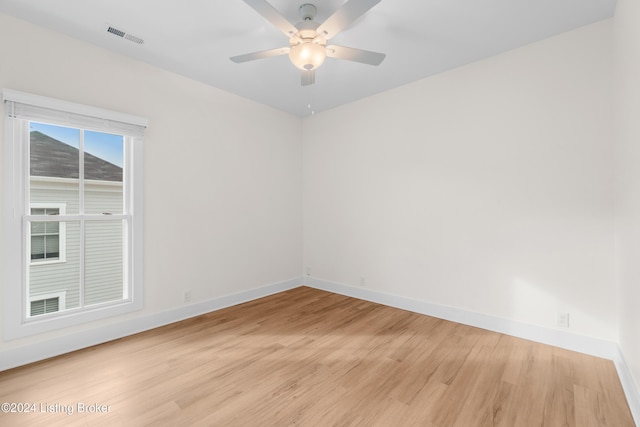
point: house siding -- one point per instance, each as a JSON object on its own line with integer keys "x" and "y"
{"x": 103, "y": 261}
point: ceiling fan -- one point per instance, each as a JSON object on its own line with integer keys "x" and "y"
{"x": 308, "y": 40}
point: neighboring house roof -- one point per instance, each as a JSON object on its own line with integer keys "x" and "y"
{"x": 53, "y": 158}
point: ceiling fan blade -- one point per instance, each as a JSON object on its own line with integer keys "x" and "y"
{"x": 307, "y": 77}
{"x": 345, "y": 16}
{"x": 260, "y": 55}
{"x": 357, "y": 55}
{"x": 272, "y": 15}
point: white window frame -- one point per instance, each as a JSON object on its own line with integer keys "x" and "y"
{"x": 62, "y": 235}
{"x": 62, "y": 301}
{"x": 16, "y": 320}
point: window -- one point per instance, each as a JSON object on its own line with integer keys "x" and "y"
{"x": 48, "y": 239}
{"x": 72, "y": 213}
{"x": 45, "y": 237}
{"x": 44, "y": 306}
{"x": 47, "y": 303}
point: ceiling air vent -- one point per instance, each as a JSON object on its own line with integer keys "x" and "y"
{"x": 116, "y": 32}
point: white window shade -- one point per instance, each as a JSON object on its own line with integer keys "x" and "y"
{"x": 26, "y": 106}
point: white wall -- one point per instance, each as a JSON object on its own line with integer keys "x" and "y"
{"x": 627, "y": 167}
{"x": 223, "y": 200}
{"x": 487, "y": 188}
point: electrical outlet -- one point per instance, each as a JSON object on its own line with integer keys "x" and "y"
{"x": 307, "y": 271}
{"x": 186, "y": 296}
{"x": 562, "y": 319}
{"x": 363, "y": 282}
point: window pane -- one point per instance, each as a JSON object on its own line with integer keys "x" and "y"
{"x": 52, "y": 247}
{"x": 103, "y": 161}
{"x": 37, "y": 307}
{"x": 58, "y": 277}
{"x": 38, "y": 227}
{"x": 51, "y": 305}
{"x": 104, "y": 273}
{"x": 54, "y": 161}
{"x": 52, "y": 227}
{"x": 37, "y": 247}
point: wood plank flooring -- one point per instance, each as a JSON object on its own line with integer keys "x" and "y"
{"x": 311, "y": 358}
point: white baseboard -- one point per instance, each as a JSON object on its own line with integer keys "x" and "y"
{"x": 587, "y": 345}
{"x": 557, "y": 338}
{"x": 53, "y": 347}
{"x": 631, "y": 389}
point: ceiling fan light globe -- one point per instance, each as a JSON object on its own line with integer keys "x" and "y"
{"x": 307, "y": 56}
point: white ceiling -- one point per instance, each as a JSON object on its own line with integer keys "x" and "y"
{"x": 195, "y": 38}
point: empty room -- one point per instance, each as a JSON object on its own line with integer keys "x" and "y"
{"x": 335, "y": 213}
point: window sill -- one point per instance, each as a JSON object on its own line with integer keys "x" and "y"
{"x": 53, "y": 261}
{"x": 68, "y": 318}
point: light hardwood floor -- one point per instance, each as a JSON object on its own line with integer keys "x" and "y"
{"x": 311, "y": 358}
